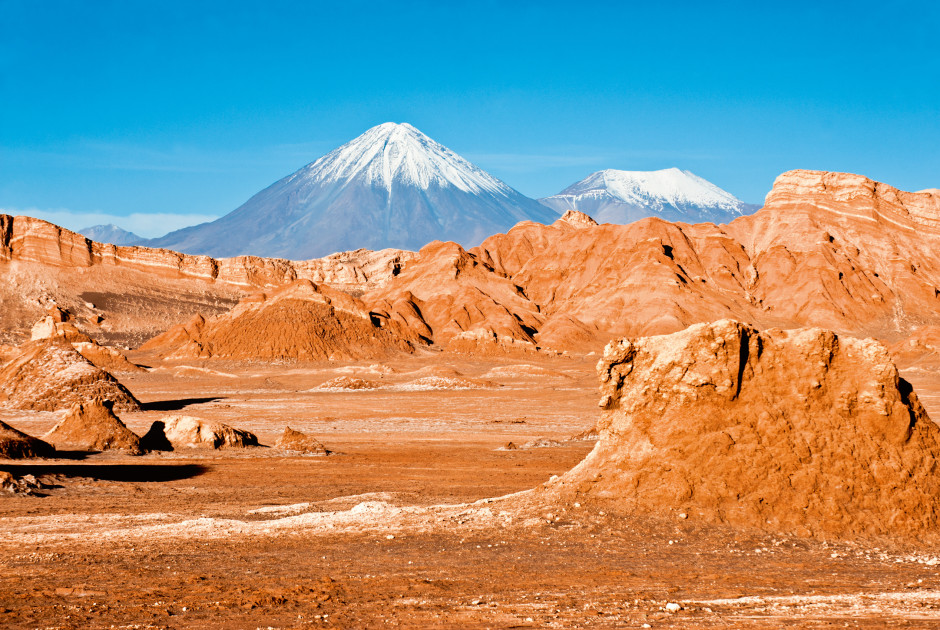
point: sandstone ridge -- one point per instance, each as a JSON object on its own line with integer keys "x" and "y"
{"x": 834, "y": 250}
{"x": 128, "y": 294}
{"x": 28, "y": 239}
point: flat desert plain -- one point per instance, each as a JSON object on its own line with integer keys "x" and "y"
{"x": 421, "y": 516}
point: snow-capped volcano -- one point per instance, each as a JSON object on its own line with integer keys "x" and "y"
{"x": 393, "y": 153}
{"x": 392, "y": 186}
{"x": 613, "y": 196}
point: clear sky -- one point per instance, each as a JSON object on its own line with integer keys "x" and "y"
{"x": 159, "y": 114}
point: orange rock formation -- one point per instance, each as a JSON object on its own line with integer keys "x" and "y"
{"x": 50, "y": 374}
{"x": 92, "y": 426}
{"x": 15, "y": 444}
{"x": 796, "y": 431}
{"x": 130, "y": 293}
{"x": 300, "y": 321}
{"x": 828, "y": 249}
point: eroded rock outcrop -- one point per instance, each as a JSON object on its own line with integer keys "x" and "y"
{"x": 301, "y": 321}
{"x": 49, "y": 374}
{"x": 27, "y": 239}
{"x": 129, "y": 294}
{"x": 300, "y": 442}
{"x": 92, "y": 426}
{"x": 190, "y": 432}
{"x": 828, "y": 249}
{"x": 15, "y": 444}
{"x": 796, "y": 431}
{"x": 104, "y": 357}
{"x": 447, "y": 294}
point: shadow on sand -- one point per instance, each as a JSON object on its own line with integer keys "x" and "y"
{"x": 135, "y": 473}
{"x": 176, "y": 404}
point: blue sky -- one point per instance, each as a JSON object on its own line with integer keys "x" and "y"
{"x": 159, "y": 114}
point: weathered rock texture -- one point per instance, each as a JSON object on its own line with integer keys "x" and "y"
{"x": 795, "y": 431}
{"x": 293, "y": 440}
{"x": 17, "y": 445}
{"x": 105, "y": 357}
{"x": 301, "y": 321}
{"x": 92, "y": 426}
{"x": 50, "y": 374}
{"x": 127, "y": 294}
{"x": 828, "y": 249}
{"x": 187, "y": 431}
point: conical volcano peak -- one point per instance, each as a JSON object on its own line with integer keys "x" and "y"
{"x": 392, "y": 186}
{"x": 393, "y": 153}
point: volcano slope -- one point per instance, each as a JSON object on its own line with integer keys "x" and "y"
{"x": 799, "y": 431}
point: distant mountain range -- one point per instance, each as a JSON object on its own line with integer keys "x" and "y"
{"x": 394, "y": 187}
{"x": 612, "y": 196}
{"x": 111, "y": 233}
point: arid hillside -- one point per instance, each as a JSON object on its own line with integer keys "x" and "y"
{"x": 828, "y": 249}
{"x": 834, "y": 250}
{"x": 129, "y": 294}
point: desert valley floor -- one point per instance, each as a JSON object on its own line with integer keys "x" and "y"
{"x": 404, "y": 524}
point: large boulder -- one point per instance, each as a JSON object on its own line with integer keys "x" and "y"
{"x": 49, "y": 374}
{"x": 799, "y": 431}
{"x": 92, "y": 426}
{"x": 187, "y": 431}
{"x": 15, "y": 444}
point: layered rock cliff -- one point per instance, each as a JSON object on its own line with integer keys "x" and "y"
{"x": 34, "y": 240}
{"x": 127, "y": 294}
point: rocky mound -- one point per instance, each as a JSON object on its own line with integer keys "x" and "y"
{"x": 448, "y": 294}
{"x": 797, "y": 431}
{"x": 187, "y": 431}
{"x": 293, "y": 440}
{"x": 50, "y": 374}
{"x": 300, "y": 321}
{"x": 105, "y": 357}
{"x": 17, "y": 445}
{"x": 92, "y": 426}
{"x": 344, "y": 383}
{"x": 433, "y": 383}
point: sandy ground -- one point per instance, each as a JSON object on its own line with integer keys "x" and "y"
{"x": 404, "y": 525}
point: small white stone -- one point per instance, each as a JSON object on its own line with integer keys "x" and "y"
{"x": 683, "y": 515}
{"x": 390, "y": 537}
{"x": 673, "y": 607}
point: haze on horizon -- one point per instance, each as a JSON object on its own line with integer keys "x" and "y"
{"x": 160, "y": 116}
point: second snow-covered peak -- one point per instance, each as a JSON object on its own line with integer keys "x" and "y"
{"x": 393, "y": 152}
{"x": 670, "y": 187}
